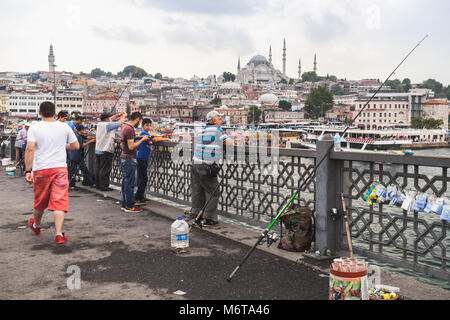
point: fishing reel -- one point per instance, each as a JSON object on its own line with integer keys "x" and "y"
{"x": 270, "y": 239}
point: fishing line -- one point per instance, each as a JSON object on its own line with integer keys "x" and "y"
{"x": 313, "y": 174}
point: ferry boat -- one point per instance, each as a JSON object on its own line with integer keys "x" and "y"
{"x": 373, "y": 140}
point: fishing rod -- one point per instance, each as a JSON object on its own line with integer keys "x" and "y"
{"x": 113, "y": 109}
{"x": 313, "y": 173}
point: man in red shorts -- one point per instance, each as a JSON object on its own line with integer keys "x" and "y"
{"x": 46, "y": 168}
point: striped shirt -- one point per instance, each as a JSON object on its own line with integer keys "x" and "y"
{"x": 208, "y": 144}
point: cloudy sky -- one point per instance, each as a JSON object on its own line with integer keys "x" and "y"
{"x": 353, "y": 39}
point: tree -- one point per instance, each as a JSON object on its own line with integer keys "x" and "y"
{"x": 254, "y": 114}
{"x": 434, "y": 85}
{"x": 97, "y": 73}
{"x": 319, "y": 101}
{"x": 426, "y": 123}
{"x": 337, "y": 90}
{"x": 228, "y": 76}
{"x": 395, "y": 85}
{"x": 158, "y": 76}
{"x": 406, "y": 84}
{"x": 216, "y": 101}
{"x": 310, "y": 76}
{"x": 137, "y": 72}
{"x": 285, "y": 105}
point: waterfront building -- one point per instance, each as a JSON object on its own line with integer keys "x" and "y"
{"x": 382, "y": 113}
{"x": 26, "y": 104}
{"x": 436, "y": 109}
{"x": 4, "y": 102}
{"x": 104, "y": 104}
{"x": 280, "y": 116}
{"x": 69, "y": 100}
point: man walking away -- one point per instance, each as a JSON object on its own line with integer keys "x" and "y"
{"x": 142, "y": 156}
{"x": 46, "y": 154}
{"x": 128, "y": 163}
{"x": 104, "y": 148}
{"x": 76, "y": 159}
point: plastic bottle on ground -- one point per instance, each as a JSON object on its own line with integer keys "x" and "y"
{"x": 179, "y": 236}
{"x": 337, "y": 142}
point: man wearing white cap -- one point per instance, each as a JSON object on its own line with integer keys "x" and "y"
{"x": 208, "y": 146}
{"x": 21, "y": 142}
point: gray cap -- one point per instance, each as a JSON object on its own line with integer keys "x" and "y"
{"x": 212, "y": 114}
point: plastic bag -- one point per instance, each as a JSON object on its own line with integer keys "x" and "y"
{"x": 409, "y": 201}
{"x": 437, "y": 205}
{"x": 370, "y": 194}
{"x": 391, "y": 192}
{"x": 431, "y": 200}
{"x": 420, "y": 202}
{"x": 445, "y": 213}
{"x": 381, "y": 193}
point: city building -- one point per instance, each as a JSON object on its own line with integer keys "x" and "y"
{"x": 103, "y": 104}
{"x": 436, "y": 109}
{"x": 69, "y": 100}
{"x": 382, "y": 113}
{"x": 232, "y": 94}
{"x": 26, "y": 104}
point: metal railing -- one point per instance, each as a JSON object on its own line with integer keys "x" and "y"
{"x": 255, "y": 192}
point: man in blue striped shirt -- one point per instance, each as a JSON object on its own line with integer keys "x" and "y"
{"x": 208, "y": 147}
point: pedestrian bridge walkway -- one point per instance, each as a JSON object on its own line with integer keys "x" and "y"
{"x": 128, "y": 256}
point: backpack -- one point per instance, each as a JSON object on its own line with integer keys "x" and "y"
{"x": 299, "y": 234}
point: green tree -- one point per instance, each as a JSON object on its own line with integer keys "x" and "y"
{"x": 395, "y": 85}
{"x": 158, "y": 76}
{"x": 228, "y": 76}
{"x": 318, "y": 102}
{"x": 254, "y": 115}
{"x": 406, "y": 83}
{"x": 337, "y": 90}
{"x": 216, "y": 101}
{"x": 285, "y": 105}
{"x": 97, "y": 73}
{"x": 137, "y": 72}
{"x": 426, "y": 123}
{"x": 310, "y": 76}
{"x": 434, "y": 85}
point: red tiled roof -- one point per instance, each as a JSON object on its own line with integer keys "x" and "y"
{"x": 435, "y": 102}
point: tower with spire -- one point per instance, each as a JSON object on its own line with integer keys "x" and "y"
{"x": 239, "y": 65}
{"x": 270, "y": 54}
{"x": 299, "y": 69}
{"x": 315, "y": 63}
{"x": 51, "y": 60}
{"x": 284, "y": 57}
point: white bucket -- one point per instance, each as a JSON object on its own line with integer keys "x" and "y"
{"x": 6, "y": 162}
{"x": 10, "y": 171}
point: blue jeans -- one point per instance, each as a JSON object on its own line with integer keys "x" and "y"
{"x": 128, "y": 169}
{"x": 142, "y": 179}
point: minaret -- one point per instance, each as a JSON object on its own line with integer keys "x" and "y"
{"x": 315, "y": 64}
{"x": 51, "y": 60}
{"x": 270, "y": 54}
{"x": 284, "y": 57}
{"x": 239, "y": 65}
{"x": 299, "y": 69}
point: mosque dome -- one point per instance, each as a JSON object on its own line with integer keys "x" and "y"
{"x": 258, "y": 59}
{"x": 268, "y": 98}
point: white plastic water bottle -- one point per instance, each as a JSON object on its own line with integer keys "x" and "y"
{"x": 179, "y": 236}
{"x": 337, "y": 142}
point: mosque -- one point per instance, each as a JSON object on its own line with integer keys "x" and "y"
{"x": 259, "y": 70}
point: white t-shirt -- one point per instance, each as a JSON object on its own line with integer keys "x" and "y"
{"x": 51, "y": 139}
